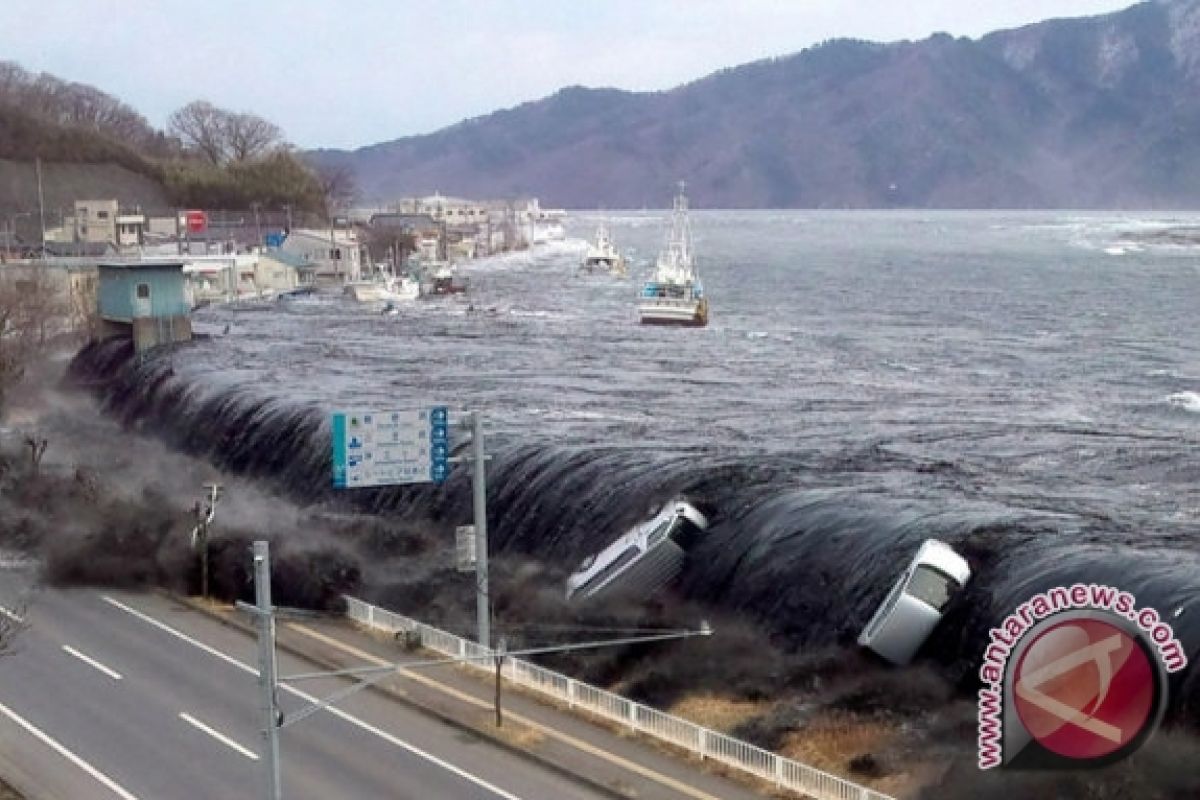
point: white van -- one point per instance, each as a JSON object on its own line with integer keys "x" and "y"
{"x": 643, "y": 560}
{"x": 916, "y": 603}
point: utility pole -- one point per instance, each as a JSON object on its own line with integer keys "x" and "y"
{"x": 501, "y": 650}
{"x": 267, "y": 675}
{"x": 41, "y": 207}
{"x": 479, "y": 485}
{"x": 200, "y": 532}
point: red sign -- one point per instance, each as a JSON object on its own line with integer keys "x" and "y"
{"x": 1084, "y": 689}
{"x": 197, "y": 221}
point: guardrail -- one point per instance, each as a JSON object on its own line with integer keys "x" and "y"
{"x": 700, "y": 741}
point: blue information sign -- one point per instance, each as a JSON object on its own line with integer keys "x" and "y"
{"x": 384, "y": 448}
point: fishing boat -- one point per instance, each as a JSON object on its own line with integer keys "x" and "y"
{"x": 602, "y": 255}
{"x": 384, "y": 286}
{"x": 440, "y": 278}
{"x": 674, "y": 295}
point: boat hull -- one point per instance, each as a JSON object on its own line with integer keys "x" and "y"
{"x": 682, "y": 313}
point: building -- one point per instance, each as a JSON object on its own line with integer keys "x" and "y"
{"x": 451, "y": 210}
{"x": 335, "y": 255}
{"x": 102, "y": 221}
{"x": 145, "y": 300}
{"x": 96, "y": 220}
{"x": 131, "y": 230}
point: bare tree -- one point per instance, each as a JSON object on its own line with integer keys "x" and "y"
{"x": 338, "y": 186}
{"x": 249, "y": 136}
{"x": 32, "y": 309}
{"x": 201, "y": 126}
{"x": 222, "y": 136}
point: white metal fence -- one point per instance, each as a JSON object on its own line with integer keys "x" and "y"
{"x": 705, "y": 743}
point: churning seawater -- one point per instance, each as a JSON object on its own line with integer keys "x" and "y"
{"x": 1024, "y": 385}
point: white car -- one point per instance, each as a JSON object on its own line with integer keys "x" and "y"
{"x": 641, "y": 561}
{"x": 916, "y": 603}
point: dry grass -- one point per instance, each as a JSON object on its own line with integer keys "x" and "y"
{"x": 833, "y": 739}
{"x": 520, "y": 736}
{"x": 715, "y": 712}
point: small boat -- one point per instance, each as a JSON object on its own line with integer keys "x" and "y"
{"x": 440, "y": 278}
{"x": 643, "y": 560}
{"x": 384, "y": 287}
{"x": 602, "y": 255}
{"x": 674, "y": 294}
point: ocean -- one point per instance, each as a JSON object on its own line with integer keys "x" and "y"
{"x": 1023, "y": 385}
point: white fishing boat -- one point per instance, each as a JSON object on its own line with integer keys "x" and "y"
{"x": 674, "y": 295}
{"x": 602, "y": 255}
{"x": 384, "y": 287}
{"x": 439, "y": 278}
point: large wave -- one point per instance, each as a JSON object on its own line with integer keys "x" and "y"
{"x": 806, "y": 558}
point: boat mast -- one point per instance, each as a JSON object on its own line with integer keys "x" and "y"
{"x": 681, "y": 233}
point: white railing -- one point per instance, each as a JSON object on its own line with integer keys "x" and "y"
{"x": 702, "y": 742}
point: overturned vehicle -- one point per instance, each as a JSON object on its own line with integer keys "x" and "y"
{"x": 642, "y": 561}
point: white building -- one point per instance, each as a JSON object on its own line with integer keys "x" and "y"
{"x": 451, "y": 210}
{"x": 226, "y": 278}
{"x": 96, "y": 220}
{"x": 336, "y": 255}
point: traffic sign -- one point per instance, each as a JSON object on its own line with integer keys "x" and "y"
{"x": 196, "y": 220}
{"x": 464, "y": 548}
{"x": 385, "y": 448}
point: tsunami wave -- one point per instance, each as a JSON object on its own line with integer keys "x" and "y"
{"x": 804, "y": 557}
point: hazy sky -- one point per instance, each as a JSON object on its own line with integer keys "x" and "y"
{"x": 357, "y": 72}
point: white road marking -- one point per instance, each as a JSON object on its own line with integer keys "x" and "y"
{"x": 366, "y": 726}
{"x": 108, "y": 782}
{"x": 91, "y": 662}
{"x": 220, "y": 737}
{"x": 17, "y": 618}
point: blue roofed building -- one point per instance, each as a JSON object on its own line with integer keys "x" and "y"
{"x": 145, "y": 300}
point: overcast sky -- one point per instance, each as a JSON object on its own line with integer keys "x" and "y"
{"x": 357, "y": 72}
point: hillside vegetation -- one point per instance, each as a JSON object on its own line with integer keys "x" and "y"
{"x": 208, "y": 157}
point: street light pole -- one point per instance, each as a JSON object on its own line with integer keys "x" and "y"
{"x": 267, "y": 676}
{"x": 41, "y": 207}
{"x": 479, "y": 485}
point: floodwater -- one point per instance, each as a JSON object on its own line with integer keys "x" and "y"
{"x": 1023, "y": 385}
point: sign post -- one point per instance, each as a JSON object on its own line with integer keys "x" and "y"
{"x": 372, "y": 448}
{"x": 479, "y": 486}
{"x": 390, "y": 447}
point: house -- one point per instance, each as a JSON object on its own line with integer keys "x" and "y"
{"x": 277, "y": 272}
{"x": 131, "y": 230}
{"x": 145, "y": 300}
{"x": 451, "y": 210}
{"x": 102, "y": 221}
{"x": 96, "y": 220}
{"x": 397, "y": 231}
{"x": 335, "y": 255}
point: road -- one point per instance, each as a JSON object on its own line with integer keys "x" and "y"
{"x": 119, "y": 695}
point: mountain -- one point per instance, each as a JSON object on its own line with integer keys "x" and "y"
{"x": 1093, "y": 112}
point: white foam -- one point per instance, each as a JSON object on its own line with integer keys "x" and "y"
{"x": 1188, "y": 401}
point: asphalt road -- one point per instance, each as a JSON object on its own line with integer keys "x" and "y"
{"x": 117, "y": 695}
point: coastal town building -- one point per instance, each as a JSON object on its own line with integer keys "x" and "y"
{"x": 335, "y": 255}
{"x": 146, "y": 300}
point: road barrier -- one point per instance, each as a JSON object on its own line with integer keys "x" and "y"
{"x": 700, "y": 741}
